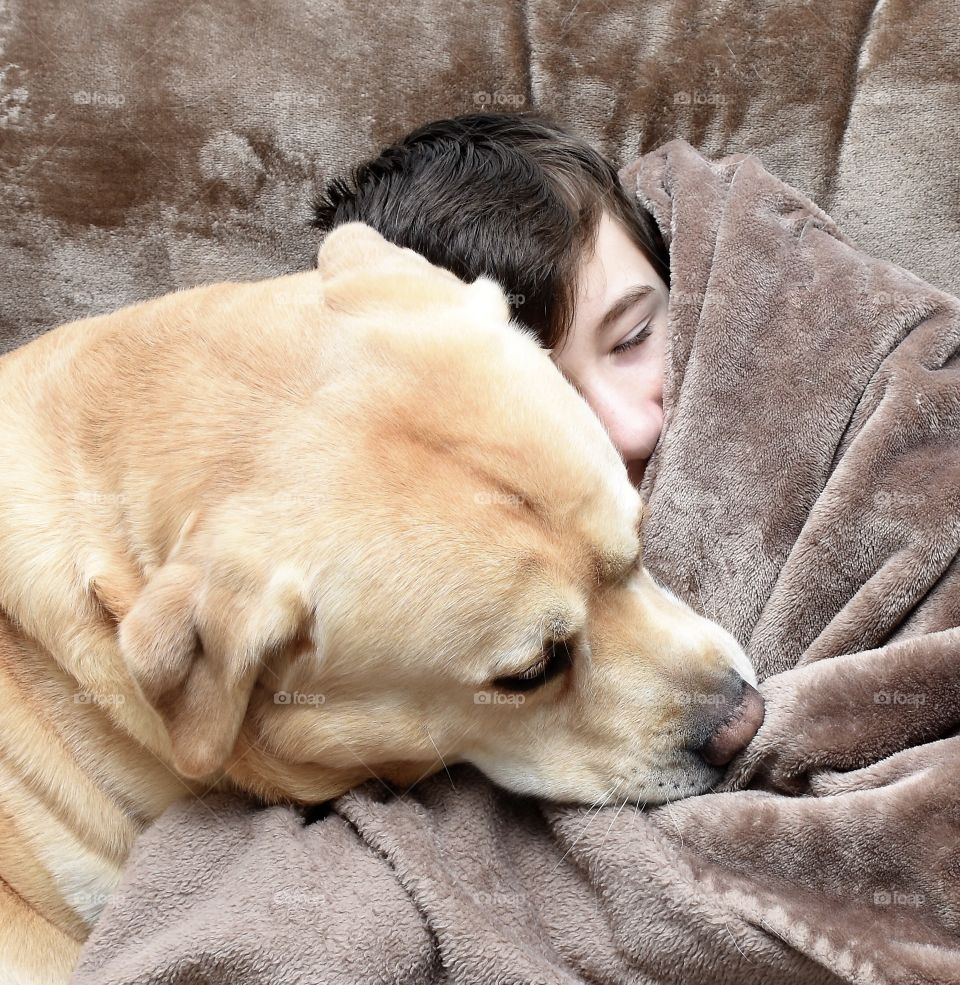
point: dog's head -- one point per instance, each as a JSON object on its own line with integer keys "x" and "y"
{"x": 439, "y": 561}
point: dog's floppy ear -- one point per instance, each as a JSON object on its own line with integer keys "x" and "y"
{"x": 196, "y": 648}
{"x": 352, "y": 245}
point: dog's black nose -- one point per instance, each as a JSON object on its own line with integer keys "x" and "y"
{"x": 734, "y": 722}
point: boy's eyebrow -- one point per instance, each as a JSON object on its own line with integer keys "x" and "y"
{"x": 623, "y": 303}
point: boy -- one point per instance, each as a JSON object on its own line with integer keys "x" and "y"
{"x": 529, "y": 204}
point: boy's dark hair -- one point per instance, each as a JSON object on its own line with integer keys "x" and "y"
{"x": 512, "y": 196}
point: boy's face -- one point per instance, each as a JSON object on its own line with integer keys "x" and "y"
{"x": 614, "y": 352}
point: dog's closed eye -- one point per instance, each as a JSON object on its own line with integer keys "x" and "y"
{"x": 555, "y": 659}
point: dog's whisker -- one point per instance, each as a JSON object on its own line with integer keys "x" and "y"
{"x": 369, "y": 769}
{"x": 442, "y": 760}
{"x": 736, "y": 944}
{"x": 669, "y": 812}
{"x": 626, "y": 800}
{"x": 703, "y": 603}
{"x": 595, "y": 808}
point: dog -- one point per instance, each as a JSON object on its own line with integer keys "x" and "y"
{"x": 284, "y": 536}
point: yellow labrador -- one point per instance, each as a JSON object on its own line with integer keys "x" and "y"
{"x": 283, "y": 536}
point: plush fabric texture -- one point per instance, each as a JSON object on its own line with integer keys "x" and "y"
{"x": 806, "y": 494}
{"x": 152, "y": 145}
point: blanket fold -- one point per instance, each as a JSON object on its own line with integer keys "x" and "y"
{"x": 805, "y": 493}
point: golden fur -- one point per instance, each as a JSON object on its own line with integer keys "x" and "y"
{"x": 282, "y": 536}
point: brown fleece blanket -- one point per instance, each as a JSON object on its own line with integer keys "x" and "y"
{"x": 806, "y": 494}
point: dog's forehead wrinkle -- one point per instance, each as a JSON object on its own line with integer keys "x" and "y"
{"x": 491, "y": 474}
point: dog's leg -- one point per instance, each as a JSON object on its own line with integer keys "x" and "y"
{"x": 32, "y": 951}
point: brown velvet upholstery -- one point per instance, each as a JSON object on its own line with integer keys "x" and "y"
{"x": 149, "y": 145}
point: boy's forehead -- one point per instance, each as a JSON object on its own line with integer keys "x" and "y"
{"x": 614, "y": 271}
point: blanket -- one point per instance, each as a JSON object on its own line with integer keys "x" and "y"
{"x": 805, "y": 493}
